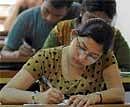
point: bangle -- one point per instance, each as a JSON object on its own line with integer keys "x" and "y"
{"x": 34, "y": 97}
{"x": 100, "y": 95}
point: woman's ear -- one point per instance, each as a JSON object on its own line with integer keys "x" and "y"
{"x": 74, "y": 33}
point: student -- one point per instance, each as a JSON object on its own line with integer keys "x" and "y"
{"x": 61, "y": 34}
{"x": 33, "y": 26}
{"x": 78, "y": 71}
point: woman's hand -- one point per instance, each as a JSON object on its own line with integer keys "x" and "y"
{"x": 83, "y": 100}
{"x": 51, "y": 96}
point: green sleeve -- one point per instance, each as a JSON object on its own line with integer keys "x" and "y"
{"x": 51, "y": 40}
{"x": 122, "y": 52}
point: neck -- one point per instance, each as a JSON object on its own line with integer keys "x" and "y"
{"x": 71, "y": 72}
{"x": 70, "y": 60}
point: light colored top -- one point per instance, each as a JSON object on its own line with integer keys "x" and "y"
{"x": 47, "y": 62}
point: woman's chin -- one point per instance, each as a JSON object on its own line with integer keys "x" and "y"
{"x": 77, "y": 63}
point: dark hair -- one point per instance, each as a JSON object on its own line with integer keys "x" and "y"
{"x": 107, "y": 6}
{"x": 61, "y": 3}
{"x": 99, "y": 31}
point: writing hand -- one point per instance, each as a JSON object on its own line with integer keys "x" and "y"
{"x": 51, "y": 96}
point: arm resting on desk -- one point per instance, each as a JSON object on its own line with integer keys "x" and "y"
{"x": 14, "y": 92}
{"x": 115, "y": 91}
{"x": 23, "y": 51}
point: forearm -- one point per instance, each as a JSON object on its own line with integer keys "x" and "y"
{"x": 23, "y": 51}
{"x": 9, "y": 54}
{"x": 15, "y": 96}
{"x": 113, "y": 95}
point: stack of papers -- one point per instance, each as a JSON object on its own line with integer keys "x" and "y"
{"x": 63, "y": 104}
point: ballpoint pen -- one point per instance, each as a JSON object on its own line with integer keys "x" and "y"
{"x": 43, "y": 79}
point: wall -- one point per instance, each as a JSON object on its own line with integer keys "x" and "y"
{"x": 123, "y": 18}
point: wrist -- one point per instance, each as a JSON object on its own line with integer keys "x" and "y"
{"x": 99, "y": 97}
{"x": 35, "y": 99}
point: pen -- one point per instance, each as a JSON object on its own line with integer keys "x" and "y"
{"x": 43, "y": 79}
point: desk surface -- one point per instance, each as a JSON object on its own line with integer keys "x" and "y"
{"x": 10, "y": 60}
{"x": 2, "y": 44}
{"x": 50, "y": 105}
{"x": 3, "y": 33}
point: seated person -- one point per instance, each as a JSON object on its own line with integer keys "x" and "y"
{"x": 33, "y": 27}
{"x": 17, "y": 8}
{"x": 61, "y": 34}
{"x": 78, "y": 71}
{"x": 22, "y": 5}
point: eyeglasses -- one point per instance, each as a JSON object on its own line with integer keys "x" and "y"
{"x": 90, "y": 56}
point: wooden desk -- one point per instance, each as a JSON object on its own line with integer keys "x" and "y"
{"x": 6, "y": 75}
{"x": 14, "y": 60}
{"x": 2, "y": 38}
{"x": 6, "y": 64}
{"x": 3, "y": 33}
{"x": 50, "y": 105}
{"x": 125, "y": 76}
{"x": 126, "y": 79}
{"x": 1, "y": 44}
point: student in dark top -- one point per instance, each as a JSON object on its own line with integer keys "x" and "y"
{"x": 33, "y": 27}
{"x": 22, "y": 5}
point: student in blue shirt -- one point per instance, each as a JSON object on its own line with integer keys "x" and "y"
{"x": 33, "y": 27}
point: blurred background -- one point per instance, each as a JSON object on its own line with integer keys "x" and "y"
{"x": 122, "y": 20}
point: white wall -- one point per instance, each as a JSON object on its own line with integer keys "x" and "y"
{"x": 123, "y": 18}
{"x": 7, "y": 1}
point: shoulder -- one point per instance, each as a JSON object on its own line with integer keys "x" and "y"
{"x": 32, "y": 12}
{"x": 42, "y": 61}
{"x": 108, "y": 59}
{"x": 118, "y": 35}
{"x": 51, "y": 51}
{"x": 117, "y": 32}
{"x": 66, "y": 23}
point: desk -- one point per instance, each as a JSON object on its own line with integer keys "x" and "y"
{"x": 14, "y": 60}
{"x": 126, "y": 79}
{"x": 6, "y": 75}
{"x": 50, "y": 105}
{"x": 9, "y": 67}
{"x": 6, "y": 70}
{"x": 1, "y": 44}
{"x": 2, "y": 40}
{"x": 3, "y": 33}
